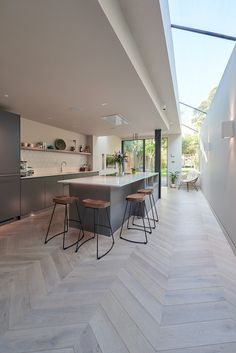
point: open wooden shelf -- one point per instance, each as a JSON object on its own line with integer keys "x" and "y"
{"x": 54, "y": 150}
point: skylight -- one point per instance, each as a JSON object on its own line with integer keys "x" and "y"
{"x": 200, "y": 59}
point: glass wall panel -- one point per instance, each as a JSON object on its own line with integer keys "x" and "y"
{"x": 210, "y": 15}
{"x": 141, "y": 156}
{"x": 150, "y": 155}
{"x": 200, "y": 59}
{"x": 135, "y": 156}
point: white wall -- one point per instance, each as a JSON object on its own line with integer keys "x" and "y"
{"x": 218, "y": 155}
{"x": 104, "y": 145}
{"x": 32, "y": 131}
{"x": 174, "y": 153}
{"x": 47, "y": 162}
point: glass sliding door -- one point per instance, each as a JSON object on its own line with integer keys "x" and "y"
{"x": 141, "y": 156}
{"x": 134, "y": 149}
{"x": 149, "y": 155}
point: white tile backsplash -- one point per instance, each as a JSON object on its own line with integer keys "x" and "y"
{"x": 50, "y": 162}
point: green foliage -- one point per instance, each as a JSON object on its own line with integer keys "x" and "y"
{"x": 205, "y": 105}
{"x": 173, "y": 176}
{"x": 119, "y": 157}
{"x": 190, "y": 145}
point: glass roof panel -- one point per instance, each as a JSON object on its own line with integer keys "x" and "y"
{"x": 211, "y": 15}
{"x": 200, "y": 60}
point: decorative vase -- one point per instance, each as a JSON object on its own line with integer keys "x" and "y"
{"x": 120, "y": 169}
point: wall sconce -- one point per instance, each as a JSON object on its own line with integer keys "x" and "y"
{"x": 227, "y": 129}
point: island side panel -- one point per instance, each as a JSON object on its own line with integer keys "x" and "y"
{"x": 118, "y": 202}
{"x": 89, "y": 192}
{"x": 117, "y": 198}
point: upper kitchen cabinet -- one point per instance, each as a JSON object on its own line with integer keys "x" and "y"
{"x": 9, "y": 166}
{"x": 9, "y": 144}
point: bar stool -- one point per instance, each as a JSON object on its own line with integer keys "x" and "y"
{"x": 149, "y": 192}
{"x": 65, "y": 201}
{"x": 138, "y": 200}
{"x": 96, "y": 206}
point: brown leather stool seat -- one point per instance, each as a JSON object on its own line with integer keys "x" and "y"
{"x": 92, "y": 203}
{"x": 65, "y": 201}
{"x": 97, "y": 206}
{"x": 145, "y": 191}
{"x": 137, "y": 200}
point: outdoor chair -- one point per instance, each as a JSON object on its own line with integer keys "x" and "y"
{"x": 190, "y": 179}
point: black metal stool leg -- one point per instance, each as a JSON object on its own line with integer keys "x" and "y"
{"x": 141, "y": 228}
{"x": 109, "y": 222}
{"x": 153, "y": 218}
{"x": 144, "y": 226}
{"x": 97, "y": 228}
{"x": 122, "y": 225}
{"x": 80, "y": 221}
{"x": 85, "y": 241}
{"x": 65, "y": 226}
{"x": 147, "y": 217}
{"x": 49, "y": 226}
{"x": 157, "y": 218}
{"x": 129, "y": 215}
{"x": 111, "y": 235}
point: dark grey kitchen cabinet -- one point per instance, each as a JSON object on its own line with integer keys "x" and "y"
{"x": 32, "y": 195}
{"x": 9, "y": 166}
{"x": 10, "y": 197}
{"x": 37, "y": 193}
{"x": 9, "y": 143}
{"x": 52, "y": 189}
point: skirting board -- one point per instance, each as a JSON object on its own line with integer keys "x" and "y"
{"x": 226, "y": 234}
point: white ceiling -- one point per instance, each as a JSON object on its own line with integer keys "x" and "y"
{"x": 60, "y": 60}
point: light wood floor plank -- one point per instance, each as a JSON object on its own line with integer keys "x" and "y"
{"x": 175, "y": 295}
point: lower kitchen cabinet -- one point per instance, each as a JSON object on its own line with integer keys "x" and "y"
{"x": 10, "y": 197}
{"x": 37, "y": 193}
{"x": 32, "y": 195}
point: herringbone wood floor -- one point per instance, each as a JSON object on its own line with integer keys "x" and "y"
{"x": 177, "y": 294}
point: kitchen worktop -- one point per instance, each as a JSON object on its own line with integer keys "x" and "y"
{"x": 39, "y": 175}
{"x": 111, "y": 181}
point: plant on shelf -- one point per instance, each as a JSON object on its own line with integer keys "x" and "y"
{"x": 173, "y": 178}
{"x": 119, "y": 158}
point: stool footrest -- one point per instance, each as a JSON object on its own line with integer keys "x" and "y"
{"x": 133, "y": 241}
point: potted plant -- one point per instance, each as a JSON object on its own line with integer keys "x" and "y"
{"x": 173, "y": 178}
{"x": 119, "y": 158}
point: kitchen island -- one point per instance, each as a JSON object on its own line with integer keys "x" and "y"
{"x": 113, "y": 189}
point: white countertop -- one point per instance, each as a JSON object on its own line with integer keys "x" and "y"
{"x": 56, "y": 174}
{"x": 111, "y": 181}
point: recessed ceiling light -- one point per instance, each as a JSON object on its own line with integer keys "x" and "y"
{"x": 6, "y": 95}
{"x": 104, "y": 104}
{"x": 75, "y": 109}
{"x": 115, "y": 119}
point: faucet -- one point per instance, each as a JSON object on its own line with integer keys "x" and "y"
{"x": 63, "y": 163}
